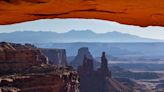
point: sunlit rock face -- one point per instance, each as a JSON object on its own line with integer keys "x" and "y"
{"x": 140, "y": 12}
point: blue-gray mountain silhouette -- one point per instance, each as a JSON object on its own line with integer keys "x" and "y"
{"x": 71, "y": 36}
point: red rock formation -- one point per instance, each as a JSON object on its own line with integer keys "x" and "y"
{"x": 66, "y": 81}
{"x": 134, "y": 12}
{"x": 23, "y": 68}
{"x": 16, "y": 57}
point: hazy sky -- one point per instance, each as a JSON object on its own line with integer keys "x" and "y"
{"x": 98, "y": 26}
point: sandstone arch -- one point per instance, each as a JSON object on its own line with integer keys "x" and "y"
{"x": 132, "y": 12}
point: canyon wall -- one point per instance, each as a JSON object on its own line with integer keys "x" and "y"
{"x": 17, "y": 57}
{"x": 24, "y": 68}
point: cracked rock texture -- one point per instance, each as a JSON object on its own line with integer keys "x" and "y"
{"x": 132, "y": 12}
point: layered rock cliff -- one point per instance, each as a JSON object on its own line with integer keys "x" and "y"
{"x": 24, "y": 68}
{"x": 17, "y": 57}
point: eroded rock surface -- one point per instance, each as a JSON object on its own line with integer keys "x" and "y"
{"x": 58, "y": 80}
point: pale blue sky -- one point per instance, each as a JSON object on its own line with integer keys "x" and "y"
{"x": 98, "y": 26}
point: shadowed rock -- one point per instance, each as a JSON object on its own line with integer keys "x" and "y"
{"x": 98, "y": 80}
{"x": 104, "y": 66}
{"x": 56, "y": 56}
{"x": 84, "y": 51}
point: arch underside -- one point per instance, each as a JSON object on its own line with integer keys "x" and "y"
{"x": 131, "y": 12}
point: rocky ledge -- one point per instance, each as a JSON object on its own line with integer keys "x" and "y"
{"x": 43, "y": 79}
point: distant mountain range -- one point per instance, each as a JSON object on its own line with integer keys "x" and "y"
{"x": 72, "y": 36}
{"x": 115, "y": 49}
